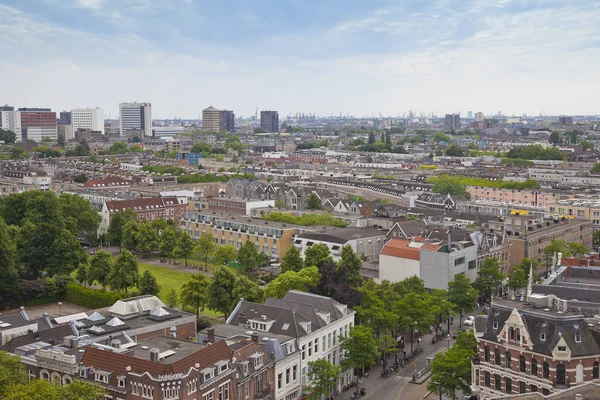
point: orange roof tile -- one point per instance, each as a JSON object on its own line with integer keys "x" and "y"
{"x": 400, "y": 248}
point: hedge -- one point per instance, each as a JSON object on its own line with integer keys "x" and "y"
{"x": 86, "y": 297}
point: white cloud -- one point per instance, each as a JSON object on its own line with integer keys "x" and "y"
{"x": 91, "y": 4}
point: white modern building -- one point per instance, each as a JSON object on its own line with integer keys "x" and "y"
{"x": 89, "y": 118}
{"x": 11, "y": 120}
{"x": 366, "y": 242}
{"x": 316, "y": 322}
{"x": 135, "y": 117}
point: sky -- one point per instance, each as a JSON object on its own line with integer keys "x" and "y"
{"x": 358, "y": 57}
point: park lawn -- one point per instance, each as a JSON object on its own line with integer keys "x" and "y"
{"x": 168, "y": 279}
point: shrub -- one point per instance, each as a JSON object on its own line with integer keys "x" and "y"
{"x": 204, "y": 321}
{"x": 91, "y": 298}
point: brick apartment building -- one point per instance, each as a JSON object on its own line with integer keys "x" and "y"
{"x": 530, "y": 350}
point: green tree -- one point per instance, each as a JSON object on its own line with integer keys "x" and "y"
{"x": 9, "y": 276}
{"x": 148, "y": 284}
{"x": 554, "y": 138}
{"x": 386, "y": 344}
{"x": 17, "y": 153}
{"x": 292, "y": 261}
{"x": 372, "y": 311}
{"x": 317, "y": 255}
{"x": 322, "y": 376}
{"x": 118, "y": 148}
{"x": 205, "y": 248}
{"x": 448, "y": 185}
{"x": 8, "y": 136}
{"x": 280, "y": 204}
{"x": 259, "y": 130}
{"x": 172, "y": 299}
{"x": 224, "y": 254}
{"x": 417, "y": 313}
{"x": 168, "y": 242}
{"x": 351, "y": 264}
{"x": 454, "y": 151}
{"x": 80, "y": 390}
{"x": 412, "y": 284}
{"x": 100, "y": 267}
{"x": 576, "y": 249}
{"x": 314, "y": 203}
{"x": 249, "y": 257}
{"x": 462, "y": 295}
{"x": 303, "y": 280}
{"x": 117, "y": 223}
{"x": 519, "y": 274}
{"x": 185, "y": 246}
{"x": 247, "y": 289}
{"x": 360, "y": 348}
{"x": 451, "y": 370}
{"x": 595, "y": 170}
{"x": 124, "y": 272}
{"x": 596, "y": 238}
{"x": 220, "y": 291}
{"x": 193, "y": 292}
{"x": 79, "y": 216}
{"x": 147, "y": 239}
{"x": 12, "y": 371}
{"x": 82, "y": 273}
{"x": 80, "y": 178}
{"x": 129, "y": 237}
{"x": 66, "y": 254}
{"x": 489, "y": 277}
{"x": 37, "y": 389}
{"x": 82, "y": 149}
{"x": 371, "y": 138}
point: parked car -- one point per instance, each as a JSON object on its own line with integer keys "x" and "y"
{"x": 469, "y": 321}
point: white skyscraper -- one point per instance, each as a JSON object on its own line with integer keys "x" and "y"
{"x": 135, "y": 117}
{"x": 90, "y": 118}
{"x": 11, "y": 120}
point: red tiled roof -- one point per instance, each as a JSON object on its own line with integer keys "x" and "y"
{"x": 400, "y": 248}
{"x": 117, "y": 363}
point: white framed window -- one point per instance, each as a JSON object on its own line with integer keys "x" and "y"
{"x": 170, "y": 393}
{"x": 495, "y": 325}
{"x": 543, "y": 336}
{"x": 209, "y": 396}
{"x": 101, "y": 378}
{"x": 32, "y": 375}
{"x": 121, "y": 381}
{"x": 224, "y": 391}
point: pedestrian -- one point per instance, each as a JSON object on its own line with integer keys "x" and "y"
{"x": 451, "y": 320}
{"x": 419, "y": 341}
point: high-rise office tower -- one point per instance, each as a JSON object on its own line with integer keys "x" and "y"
{"x": 452, "y": 122}
{"x": 88, "y": 118}
{"x": 135, "y": 117}
{"x": 269, "y": 121}
{"x": 211, "y": 119}
{"x": 38, "y": 124}
{"x": 226, "y": 121}
{"x": 10, "y": 120}
{"x": 479, "y": 117}
{"x": 65, "y": 117}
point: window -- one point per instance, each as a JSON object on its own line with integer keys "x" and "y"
{"x": 32, "y": 375}
{"x": 121, "y": 381}
{"x": 522, "y": 364}
{"x": 507, "y": 360}
{"x": 101, "y": 378}
{"x": 486, "y": 354}
{"x": 287, "y": 376}
{"x": 303, "y": 352}
{"x": 310, "y": 348}
{"x": 543, "y": 336}
{"x": 497, "y": 360}
{"x": 209, "y": 396}
{"x": 472, "y": 264}
{"x": 533, "y": 389}
{"x": 459, "y": 261}
{"x": 317, "y": 345}
{"x": 170, "y": 393}
{"x": 534, "y": 366}
{"x": 487, "y": 379}
{"x": 596, "y": 371}
{"x": 522, "y": 387}
{"x": 562, "y": 348}
{"x": 224, "y": 391}
{"x": 508, "y": 385}
{"x": 497, "y": 382}
{"x": 279, "y": 380}
{"x": 247, "y": 389}
{"x": 545, "y": 370}
{"x": 495, "y": 325}
{"x": 577, "y": 338}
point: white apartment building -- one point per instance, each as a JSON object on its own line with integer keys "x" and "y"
{"x": 135, "y": 117}
{"x": 89, "y": 118}
{"x": 317, "y": 322}
{"x": 39, "y": 133}
{"x": 11, "y": 120}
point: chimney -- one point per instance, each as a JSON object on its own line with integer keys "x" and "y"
{"x": 154, "y": 355}
{"x": 173, "y": 331}
{"x": 578, "y": 396}
{"x": 210, "y": 334}
{"x": 254, "y": 337}
{"x": 115, "y": 344}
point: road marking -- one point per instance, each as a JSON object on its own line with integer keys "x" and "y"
{"x": 404, "y": 379}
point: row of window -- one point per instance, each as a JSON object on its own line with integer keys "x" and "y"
{"x": 291, "y": 375}
{"x": 508, "y": 384}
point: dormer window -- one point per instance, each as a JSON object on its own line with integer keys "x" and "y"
{"x": 244, "y": 367}
{"x": 562, "y": 348}
{"x": 577, "y": 338}
{"x": 207, "y": 374}
{"x": 306, "y": 326}
{"x": 121, "y": 381}
{"x": 543, "y": 336}
{"x": 257, "y": 360}
{"x": 221, "y": 366}
{"x": 495, "y": 325}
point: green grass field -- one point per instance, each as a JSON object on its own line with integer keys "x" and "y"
{"x": 168, "y": 279}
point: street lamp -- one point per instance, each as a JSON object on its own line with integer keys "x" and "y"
{"x": 59, "y": 307}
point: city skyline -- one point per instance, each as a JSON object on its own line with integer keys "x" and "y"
{"x": 343, "y": 56}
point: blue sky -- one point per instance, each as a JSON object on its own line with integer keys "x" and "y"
{"x": 326, "y": 56}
